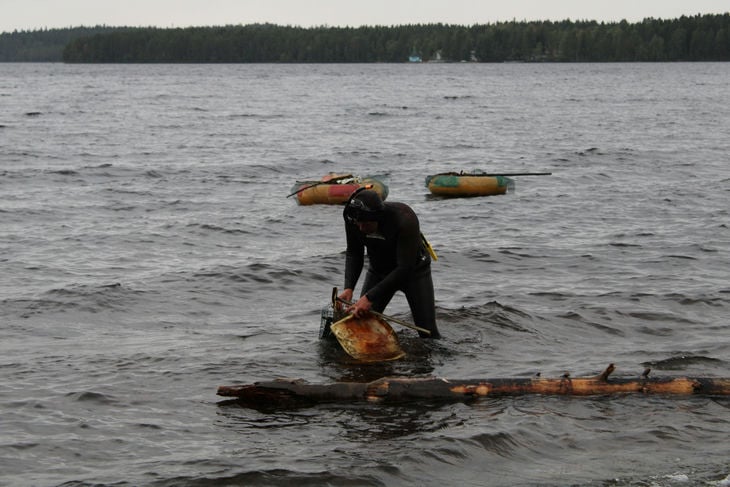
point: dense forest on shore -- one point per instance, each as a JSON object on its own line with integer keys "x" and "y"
{"x": 44, "y": 45}
{"x": 697, "y": 38}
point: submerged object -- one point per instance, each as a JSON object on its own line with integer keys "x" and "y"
{"x": 335, "y": 189}
{"x": 399, "y": 389}
{"x": 468, "y": 184}
{"x": 367, "y": 339}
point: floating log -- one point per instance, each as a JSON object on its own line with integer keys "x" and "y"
{"x": 398, "y": 389}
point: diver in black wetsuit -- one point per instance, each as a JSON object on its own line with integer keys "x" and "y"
{"x": 397, "y": 255}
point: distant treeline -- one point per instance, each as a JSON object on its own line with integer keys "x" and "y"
{"x": 45, "y": 45}
{"x": 697, "y": 38}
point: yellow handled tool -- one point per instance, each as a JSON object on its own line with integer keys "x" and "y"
{"x": 430, "y": 250}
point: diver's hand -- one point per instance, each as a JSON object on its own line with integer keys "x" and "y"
{"x": 362, "y": 307}
{"x": 345, "y": 296}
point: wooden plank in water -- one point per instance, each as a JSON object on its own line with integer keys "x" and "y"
{"x": 400, "y": 389}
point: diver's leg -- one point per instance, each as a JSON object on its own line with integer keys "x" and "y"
{"x": 420, "y": 296}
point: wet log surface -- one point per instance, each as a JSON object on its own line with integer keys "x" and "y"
{"x": 283, "y": 393}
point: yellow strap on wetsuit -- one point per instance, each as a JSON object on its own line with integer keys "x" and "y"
{"x": 429, "y": 248}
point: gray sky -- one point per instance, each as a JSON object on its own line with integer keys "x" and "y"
{"x": 37, "y": 14}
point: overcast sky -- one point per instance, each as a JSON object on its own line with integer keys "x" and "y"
{"x": 38, "y": 14}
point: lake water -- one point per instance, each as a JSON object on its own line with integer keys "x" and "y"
{"x": 149, "y": 254}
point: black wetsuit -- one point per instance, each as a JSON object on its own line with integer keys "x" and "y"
{"x": 398, "y": 261}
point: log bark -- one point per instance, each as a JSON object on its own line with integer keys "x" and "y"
{"x": 398, "y": 389}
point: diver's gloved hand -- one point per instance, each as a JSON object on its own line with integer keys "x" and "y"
{"x": 361, "y": 308}
{"x": 345, "y": 296}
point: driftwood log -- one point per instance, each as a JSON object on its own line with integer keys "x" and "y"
{"x": 398, "y": 389}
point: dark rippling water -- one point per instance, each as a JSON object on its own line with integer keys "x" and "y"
{"x": 149, "y": 254}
